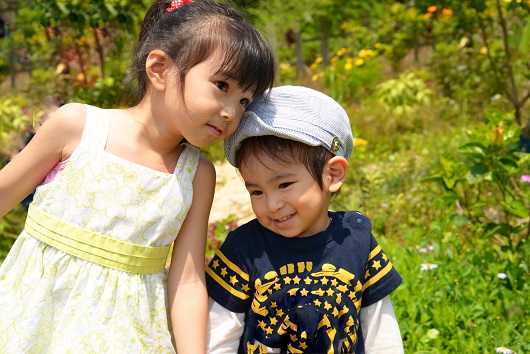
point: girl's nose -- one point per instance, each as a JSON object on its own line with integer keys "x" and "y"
{"x": 230, "y": 112}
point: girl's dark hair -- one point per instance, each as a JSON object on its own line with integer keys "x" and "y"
{"x": 191, "y": 33}
{"x": 285, "y": 151}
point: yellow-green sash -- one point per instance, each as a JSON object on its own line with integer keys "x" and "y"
{"x": 94, "y": 247}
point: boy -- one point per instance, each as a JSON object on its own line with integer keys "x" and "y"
{"x": 299, "y": 278}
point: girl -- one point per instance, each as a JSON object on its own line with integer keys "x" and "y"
{"x": 118, "y": 186}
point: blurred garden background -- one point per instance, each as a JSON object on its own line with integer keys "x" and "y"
{"x": 438, "y": 96}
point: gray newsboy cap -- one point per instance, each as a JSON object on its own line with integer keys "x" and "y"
{"x": 297, "y": 113}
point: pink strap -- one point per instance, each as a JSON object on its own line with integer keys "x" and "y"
{"x": 55, "y": 172}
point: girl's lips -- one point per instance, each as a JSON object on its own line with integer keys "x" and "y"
{"x": 216, "y": 131}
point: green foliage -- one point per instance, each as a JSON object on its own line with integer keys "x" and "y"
{"x": 404, "y": 93}
{"x": 351, "y": 76}
{"x": 465, "y": 305}
{"x": 401, "y": 34}
{"x": 14, "y": 118}
{"x": 10, "y": 227}
{"x": 217, "y": 232}
{"x": 215, "y": 152}
{"x": 481, "y": 180}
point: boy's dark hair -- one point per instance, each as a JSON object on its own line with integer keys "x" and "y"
{"x": 193, "y": 32}
{"x": 284, "y": 151}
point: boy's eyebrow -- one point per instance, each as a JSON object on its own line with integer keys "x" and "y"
{"x": 280, "y": 176}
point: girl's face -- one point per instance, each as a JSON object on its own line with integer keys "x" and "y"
{"x": 287, "y": 200}
{"x": 213, "y": 105}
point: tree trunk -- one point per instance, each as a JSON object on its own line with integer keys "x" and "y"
{"x": 300, "y": 70}
{"x": 324, "y": 41}
{"x": 101, "y": 54}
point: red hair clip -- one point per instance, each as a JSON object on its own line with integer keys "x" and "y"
{"x": 175, "y": 4}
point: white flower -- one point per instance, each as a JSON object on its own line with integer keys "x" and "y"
{"x": 501, "y": 276}
{"x": 429, "y": 248}
{"x": 504, "y": 350}
{"x": 428, "y": 266}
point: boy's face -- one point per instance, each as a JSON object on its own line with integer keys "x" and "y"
{"x": 287, "y": 199}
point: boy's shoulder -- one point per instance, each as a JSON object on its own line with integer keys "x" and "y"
{"x": 352, "y": 219}
{"x": 244, "y": 233}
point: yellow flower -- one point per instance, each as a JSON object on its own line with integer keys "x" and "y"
{"x": 348, "y": 66}
{"x": 432, "y": 8}
{"x": 285, "y": 66}
{"x": 365, "y": 53}
{"x": 314, "y": 78}
{"x": 341, "y": 51}
{"x": 377, "y": 45}
{"x": 314, "y": 66}
{"x": 318, "y": 60}
{"x": 484, "y": 50}
{"x": 359, "y": 62}
{"x": 359, "y": 142}
{"x": 333, "y": 60}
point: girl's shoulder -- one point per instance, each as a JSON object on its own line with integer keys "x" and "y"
{"x": 66, "y": 124}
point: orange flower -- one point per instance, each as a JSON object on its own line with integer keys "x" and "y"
{"x": 427, "y": 15}
{"x": 499, "y": 136}
{"x": 432, "y": 8}
{"x": 447, "y": 12}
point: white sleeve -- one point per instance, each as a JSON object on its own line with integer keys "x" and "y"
{"x": 380, "y": 328}
{"x": 224, "y": 329}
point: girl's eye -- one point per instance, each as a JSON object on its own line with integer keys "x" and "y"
{"x": 285, "y": 185}
{"x": 244, "y": 102}
{"x": 256, "y": 193}
{"x": 221, "y": 85}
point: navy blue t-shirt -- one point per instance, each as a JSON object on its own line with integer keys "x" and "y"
{"x": 302, "y": 294}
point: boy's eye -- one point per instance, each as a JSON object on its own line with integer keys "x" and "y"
{"x": 256, "y": 193}
{"x": 221, "y": 85}
{"x": 285, "y": 185}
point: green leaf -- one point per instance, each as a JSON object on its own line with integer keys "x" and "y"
{"x": 476, "y": 150}
{"x": 458, "y": 220}
{"x": 449, "y": 198}
{"x": 524, "y": 45}
{"x": 449, "y": 181}
{"x": 431, "y": 178}
{"x": 509, "y": 165}
{"x": 478, "y": 173}
{"x": 516, "y": 207}
{"x": 495, "y": 229}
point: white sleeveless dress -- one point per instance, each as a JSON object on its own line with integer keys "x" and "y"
{"x": 98, "y": 283}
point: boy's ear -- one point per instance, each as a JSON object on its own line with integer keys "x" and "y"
{"x": 337, "y": 171}
{"x": 156, "y": 66}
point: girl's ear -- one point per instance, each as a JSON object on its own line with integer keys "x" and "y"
{"x": 156, "y": 66}
{"x": 337, "y": 169}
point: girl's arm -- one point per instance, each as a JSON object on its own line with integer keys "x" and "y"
{"x": 188, "y": 300}
{"x": 54, "y": 141}
{"x": 380, "y": 328}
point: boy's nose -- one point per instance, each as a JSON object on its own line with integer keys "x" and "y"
{"x": 275, "y": 203}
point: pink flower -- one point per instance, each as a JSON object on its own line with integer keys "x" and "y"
{"x": 525, "y": 178}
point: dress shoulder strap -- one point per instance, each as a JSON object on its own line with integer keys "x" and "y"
{"x": 96, "y": 129}
{"x": 188, "y": 162}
